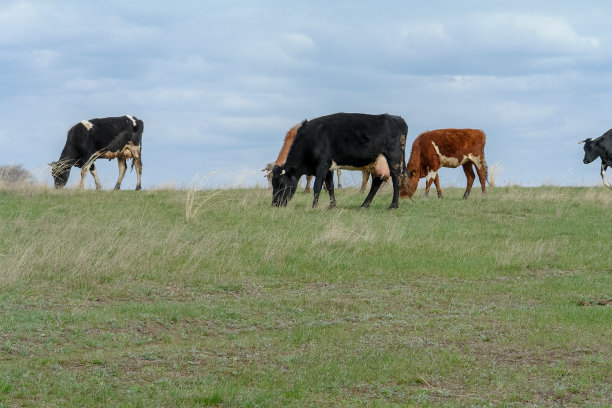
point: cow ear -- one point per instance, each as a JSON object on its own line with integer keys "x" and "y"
{"x": 412, "y": 173}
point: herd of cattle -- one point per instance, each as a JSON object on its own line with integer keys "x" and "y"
{"x": 374, "y": 144}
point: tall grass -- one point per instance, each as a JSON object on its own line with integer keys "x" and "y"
{"x": 119, "y": 298}
{"x": 198, "y": 198}
{"x": 494, "y": 172}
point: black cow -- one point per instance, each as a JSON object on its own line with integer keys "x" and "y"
{"x": 107, "y": 138}
{"x": 352, "y": 141}
{"x": 600, "y": 147}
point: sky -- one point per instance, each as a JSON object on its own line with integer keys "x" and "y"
{"x": 219, "y": 83}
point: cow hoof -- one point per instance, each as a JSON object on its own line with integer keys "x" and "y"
{"x": 117, "y": 187}
{"x": 138, "y": 188}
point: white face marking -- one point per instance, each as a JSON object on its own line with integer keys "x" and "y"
{"x": 88, "y": 125}
{"x": 132, "y": 119}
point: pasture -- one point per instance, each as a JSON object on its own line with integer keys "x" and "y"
{"x": 213, "y": 298}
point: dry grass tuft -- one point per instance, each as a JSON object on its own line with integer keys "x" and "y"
{"x": 494, "y": 171}
{"x": 198, "y": 198}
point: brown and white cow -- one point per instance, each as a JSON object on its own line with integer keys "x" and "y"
{"x": 282, "y": 158}
{"x": 445, "y": 148}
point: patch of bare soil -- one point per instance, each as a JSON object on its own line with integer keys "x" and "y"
{"x": 597, "y": 303}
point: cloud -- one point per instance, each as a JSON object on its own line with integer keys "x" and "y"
{"x": 216, "y": 83}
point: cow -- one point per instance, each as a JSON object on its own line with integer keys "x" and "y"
{"x": 106, "y": 138}
{"x": 602, "y": 148}
{"x": 282, "y": 158}
{"x": 445, "y": 148}
{"x": 353, "y": 141}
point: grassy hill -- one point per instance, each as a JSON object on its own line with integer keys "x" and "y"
{"x": 203, "y": 298}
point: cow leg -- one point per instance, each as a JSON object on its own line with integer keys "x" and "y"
{"x": 438, "y": 189}
{"x": 365, "y": 176}
{"x": 308, "y": 180}
{"x": 396, "y": 172}
{"x": 320, "y": 176}
{"x": 469, "y": 173}
{"x": 83, "y": 175}
{"x": 339, "y": 182}
{"x": 329, "y": 182}
{"x": 603, "y": 175}
{"x": 428, "y": 185}
{"x": 88, "y": 164}
{"x": 138, "y": 164}
{"x": 376, "y": 182}
{"x": 94, "y": 173}
{"x": 122, "y": 168}
{"x": 482, "y": 175}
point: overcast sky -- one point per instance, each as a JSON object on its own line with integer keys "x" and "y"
{"x": 218, "y": 83}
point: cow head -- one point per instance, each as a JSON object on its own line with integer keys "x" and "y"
{"x": 60, "y": 170}
{"x": 409, "y": 183}
{"x": 590, "y": 150}
{"x": 284, "y": 184}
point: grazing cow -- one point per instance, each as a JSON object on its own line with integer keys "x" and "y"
{"x": 445, "y": 148}
{"x": 602, "y": 148}
{"x": 352, "y": 141}
{"x": 107, "y": 138}
{"x": 282, "y": 158}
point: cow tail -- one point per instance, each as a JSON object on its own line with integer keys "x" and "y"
{"x": 404, "y": 171}
{"x": 405, "y": 136}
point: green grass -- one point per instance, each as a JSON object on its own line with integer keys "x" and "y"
{"x": 118, "y": 299}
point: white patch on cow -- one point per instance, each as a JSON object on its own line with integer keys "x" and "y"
{"x": 454, "y": 162}
{"x": 474, "y": 159}
{"x": 129, "y": 151}
{"x": 447, "y": 161}
{"x": 603, "y": 177}
{"x": 88, "y": 125}
{"x": 380, "y": 167}
{"x": 431, "y": 175}
{"x": 132, "y": 119}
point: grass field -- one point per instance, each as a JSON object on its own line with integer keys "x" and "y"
{"x": 154, "y": 298}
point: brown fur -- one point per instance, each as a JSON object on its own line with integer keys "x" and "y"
{"x": 457, "y": 147}
{"x": 282, "y": 159}
{"x": 284, "y": 151}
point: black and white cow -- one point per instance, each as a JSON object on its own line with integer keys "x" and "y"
{"x": 600, "y": 147}
{"x": 352, "y": 141}
{"x": 107, "y": 138}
